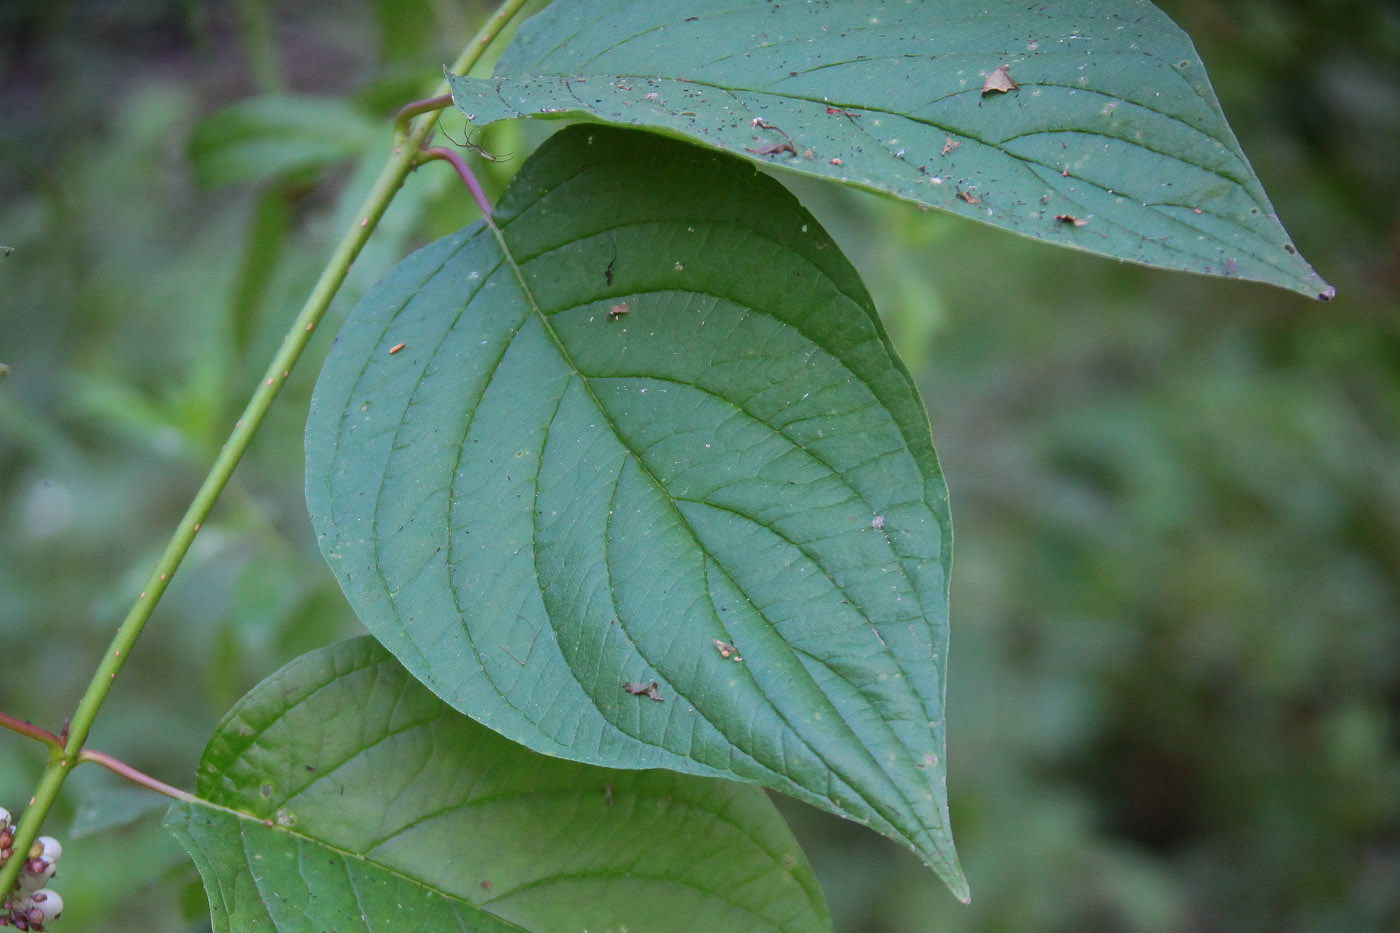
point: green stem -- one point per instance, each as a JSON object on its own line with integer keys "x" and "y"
{"x": 395, "y": 170}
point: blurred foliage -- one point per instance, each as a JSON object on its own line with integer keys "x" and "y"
{"x": 1175, "y": 678}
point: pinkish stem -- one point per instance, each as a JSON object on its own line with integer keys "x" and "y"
{"x": 468, "y": 179}
{"x": 134, "y": 776}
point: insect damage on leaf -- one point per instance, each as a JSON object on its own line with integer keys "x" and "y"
{"x": 999, "y": 82}
{"x": 648, "y": 690}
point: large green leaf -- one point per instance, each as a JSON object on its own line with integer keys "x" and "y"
{"x": 1114, "y": 141}
{"x": 534, "y": 499}
{"x": 342, "y": 795}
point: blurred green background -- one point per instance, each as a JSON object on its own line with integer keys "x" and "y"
{"x": 1175, "y": 675}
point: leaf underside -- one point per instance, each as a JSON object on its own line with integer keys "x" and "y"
{"x": 648, "y": 415}
{"x": 1112, "y": 141}
{"x": 342, "y": 795}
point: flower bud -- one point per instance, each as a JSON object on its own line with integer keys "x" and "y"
{"x": 49, "y": 902}
{"x": 52, "y": 848}
{"x": 35, "y": 908}
{"x": 35, "y": 874}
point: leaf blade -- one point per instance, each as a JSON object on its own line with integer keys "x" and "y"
{"x": 342, "y": 795}
{"x": 1113, "y": 121}
{"x": 538, "y": 501}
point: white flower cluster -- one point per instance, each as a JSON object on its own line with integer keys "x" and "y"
{"x": 30, "y": 905}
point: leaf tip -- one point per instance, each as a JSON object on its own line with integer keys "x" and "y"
{"x": 956, "y": 881}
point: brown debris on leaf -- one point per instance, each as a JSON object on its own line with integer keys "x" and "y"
{"x": 618, "y": 310}
{"x": 949, "y": 145}
{"x": 1071, "y": 220}
{"x": 774, "y": 149}
{"x": 969, "y": 197}
{"x": 726, "y": 650}
{"x": 999, "y": 82}
{"x": 648, "y": 690}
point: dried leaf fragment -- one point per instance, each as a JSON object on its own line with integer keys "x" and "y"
{"x": 726, "y": 650}
{"x": 774, "y": 149}
{"x": 999, "y": 82}
{"x": 1071, "y": 220}
{"x": 648, "y": 690}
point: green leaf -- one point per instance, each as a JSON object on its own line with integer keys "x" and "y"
{"x": 341, "y": 795}
{"x": 1114, "y": 123}
{"x": 534, "y": 499}
{"x": 277, "y": 136}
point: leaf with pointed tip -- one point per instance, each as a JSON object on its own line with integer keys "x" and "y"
{"x": 1105, "y": 113}
{"x": 554, "y": 460}
{"x": 341, "y": 795}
